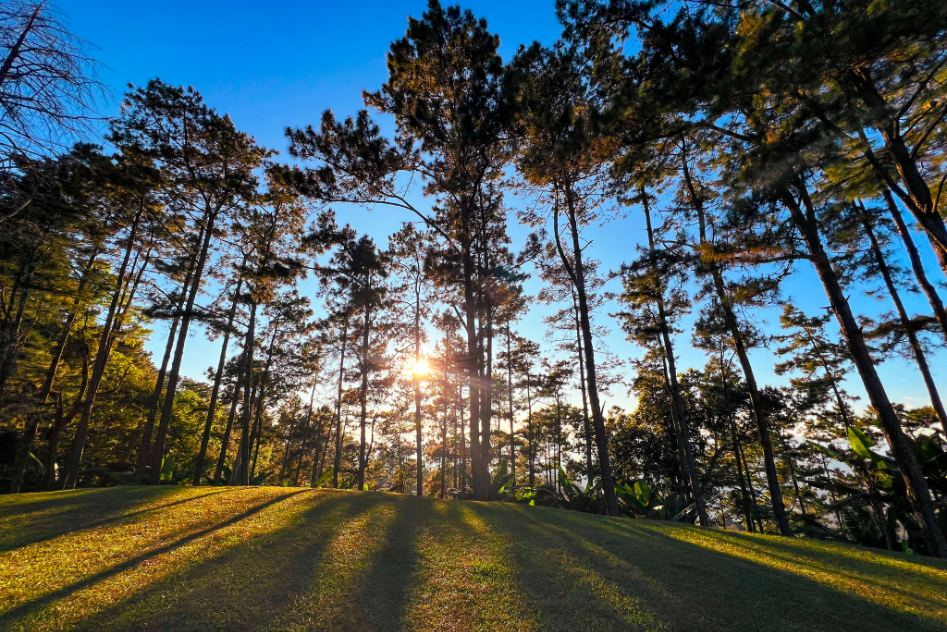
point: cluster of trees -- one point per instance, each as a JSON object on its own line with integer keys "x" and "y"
{"x": 760, "y": 141}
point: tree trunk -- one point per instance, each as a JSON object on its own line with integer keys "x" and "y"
{"x": 363, "y": 399}
{"x": 241, "y": 469}
{"x": 338, "y": 407}
{"x": 474, "y": 357}
{"x": 144, "y": 451}
{"x": 577, "y": 274}
{"x": 257, "y": 437}
{"x": 35, "y": 417}
{"x": 929, "y": 290}
{"x": 915, "y": 344}
{"x": 509, "y": 382}
{"x": 101, "y": 359}
{"x": 212, "y": 407}
{"x": 167, "y": 409}
{"x": 760, "y": 415}
{"x": 225, "y": 440}
{"x": 744, "y": 492}
{"x": 586, "y": 426}
{"x": 529, "y": 429}
{"x": 677, "y": 407}
{"x": 914, "y": 480}
{"x": 419, "y": 489}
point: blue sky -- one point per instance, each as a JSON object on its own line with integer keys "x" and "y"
{"x": 273, "y": 65}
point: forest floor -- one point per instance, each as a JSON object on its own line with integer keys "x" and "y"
{"x": 270, "y": 558}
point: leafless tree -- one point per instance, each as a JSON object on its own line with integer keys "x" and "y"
{"x": 48, "y": 87}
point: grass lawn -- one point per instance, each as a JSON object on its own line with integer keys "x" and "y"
{"x": 175, "y": 558}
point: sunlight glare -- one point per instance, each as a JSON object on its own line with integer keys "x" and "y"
{"x": 420, "y": 367}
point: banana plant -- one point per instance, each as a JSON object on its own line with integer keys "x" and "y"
{"x": 881, "y": 487}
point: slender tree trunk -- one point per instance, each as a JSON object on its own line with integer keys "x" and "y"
{"x": 745, "y": 494}
{"x": 212, "y": 407}
{"x": 915, "y": 344}
{"x": 167, "y": 410}
{"x": 257, "y": 438}
{"x": 338, "y": 407}
{"x": 457, "y": 447}
{"x": 444, "y": 452}
{"x": 529, "y": 429}
{"x": 832, "y": 495}
{"x": 576, "y": 271}
{"x": 463, "y": 439}
{"x": 795, "y": 482}
{"x": 325, "y": 448}
{"x": 363, "y": 400}
{"x": 101, "y": 359}
{"x": 486, "y": 397}
{"x": 914, "y": 480}
{"x": 309, "y": 443}
{"x": 54, "y": 433}
{"x": 586, "y": 426}
{"x": 225, "y": 440}
{"x": 241, "y": 469}
{"x": 929, "y": 290}
{"x": 749, "y": 480}
{"x": 681, "y": 459}
{"x": 474, "y": 357}
{"x": 419, "y": 490}
{"x": 677, "y": 407}
{"x": 736, "y": 447}
{"x": 509, "y": 382}
{"x": 760, "y": 415}
{"x": 144, "y": 450}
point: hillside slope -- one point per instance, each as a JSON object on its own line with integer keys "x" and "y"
{"x": 295, "y": 559}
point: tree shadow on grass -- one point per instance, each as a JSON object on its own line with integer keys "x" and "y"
{"x": 909, "y": 580}
{"x": 275, "y": 581}
{"x": 33, "y": 522}
{"x": 241, "y": 587}
{"x": 386, "y": 588}
{"x": 666, "y": 583}
{"x": 31, "y": 607}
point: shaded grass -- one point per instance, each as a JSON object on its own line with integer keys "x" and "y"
{"x": 144, "y": 558}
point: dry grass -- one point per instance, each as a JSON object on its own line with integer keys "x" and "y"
{"x": 289, "y": 559}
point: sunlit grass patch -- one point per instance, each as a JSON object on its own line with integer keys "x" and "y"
{"x": 466, "y": 580}
{"x": 60, "y": 581}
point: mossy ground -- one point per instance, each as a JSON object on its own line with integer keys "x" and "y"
{"x": 140, "y": 558}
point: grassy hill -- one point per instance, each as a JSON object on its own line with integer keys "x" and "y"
{"x": 293, "y": 559}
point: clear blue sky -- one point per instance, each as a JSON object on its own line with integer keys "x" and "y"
{"x": 272, "y": 65}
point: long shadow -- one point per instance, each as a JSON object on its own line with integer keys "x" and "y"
{"x": 549, "y": 570}
{"x": 873, "y": 574}
{"x": 680, "y": 583}
{"x": 385, "y": 590}
{"x": 921, "y": 567}
{"x": 72, "y": 519}
{"x": 56, "y": 513}
{"x": 241, "y": 588}
{"x": 32, "y": 606}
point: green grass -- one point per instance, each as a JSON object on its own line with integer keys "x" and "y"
{"x": 288, "y": 559}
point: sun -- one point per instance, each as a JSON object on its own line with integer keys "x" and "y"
{"x": 420, "y": 367}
